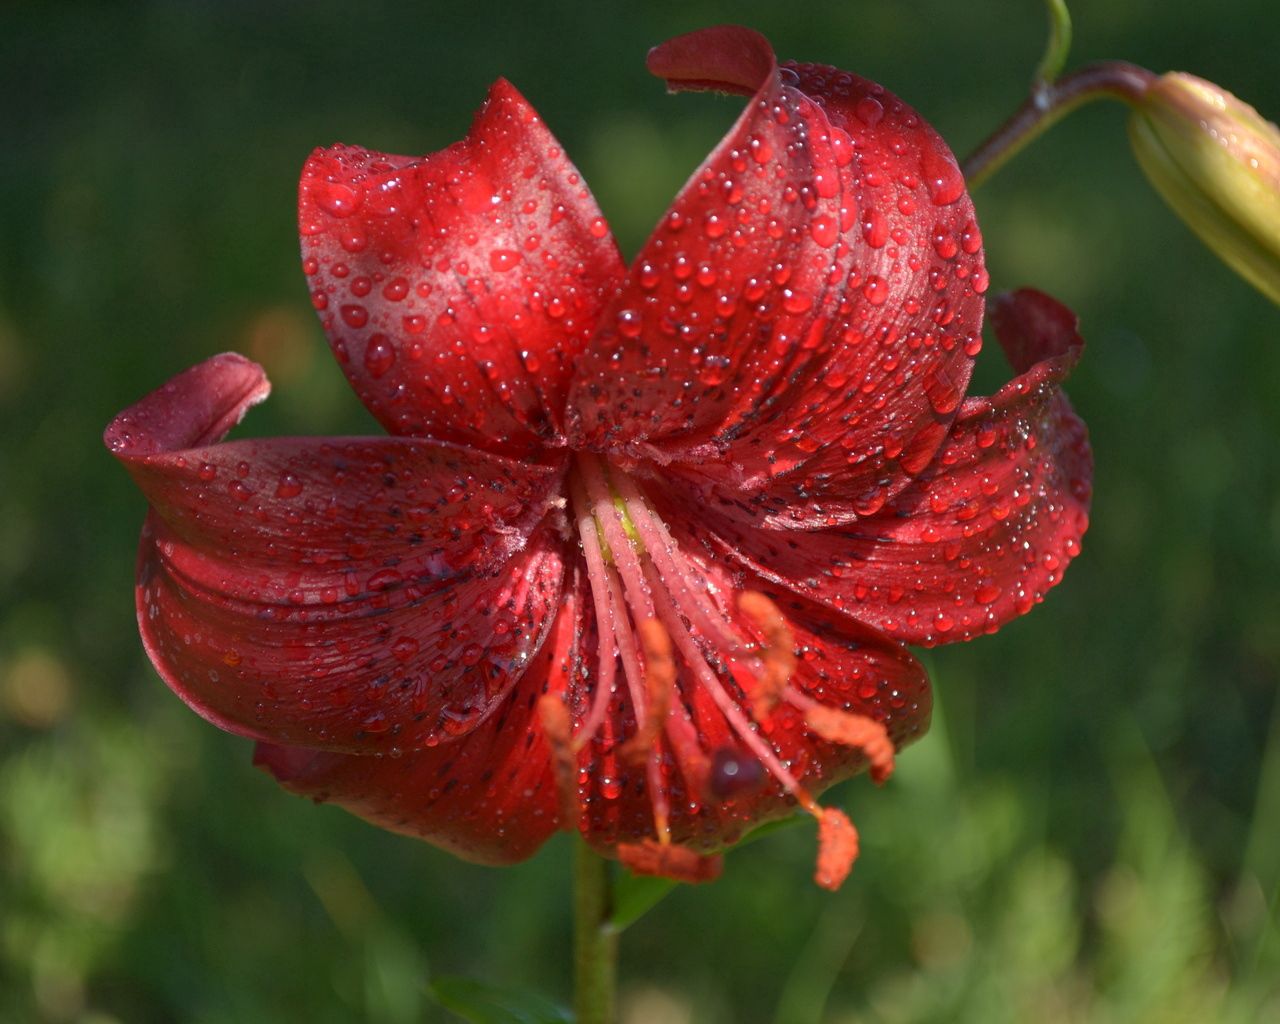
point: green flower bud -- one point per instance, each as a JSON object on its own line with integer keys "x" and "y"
{"x": 1216, "y": 162}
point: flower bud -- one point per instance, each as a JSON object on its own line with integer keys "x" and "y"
{"x": 1216, "y": 162}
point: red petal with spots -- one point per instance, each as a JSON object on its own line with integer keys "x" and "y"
{"x": 801, "y": 326}
{"x": 457, "y": 288}
{"x": 990, "y": 526}
{"x": 347, "y": 594}
{"x": 488, "y": 797}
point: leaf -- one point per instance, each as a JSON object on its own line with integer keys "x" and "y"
{"x": 635, "y": 895}
{"x": 482, "y": 1003}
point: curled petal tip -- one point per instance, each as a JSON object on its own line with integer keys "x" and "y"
{"x": 197, "y": 407}
{"x": 726, "y": 58}
{"x": 1032, "y": 326}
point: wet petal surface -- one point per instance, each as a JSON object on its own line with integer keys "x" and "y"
{"x": 352, "y": 594}
{"x": 802, "y": 324}
{"x": 456, "y": 288}
{"x": 989, "y": 527}
{"x": 489, "y": 796}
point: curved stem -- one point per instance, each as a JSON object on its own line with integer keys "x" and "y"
{"x": 1059, "y": 43}
{"x": 595, "y": 944}
{"x": 1048, "y": 103}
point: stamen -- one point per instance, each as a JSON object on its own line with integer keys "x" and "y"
{"x": 859, "y": 731}
{"x": 778, "y": 655}
{"x": 557, "y": 726}
{"x": 606, "y": 629}
{"x": 692, "y": 600}
{"x": 659, "y": 681}
{"x": 653, "y": 600}
{"x": 751, "y": 739}
{"x": 627, "y": 570}
{"x": 679, "y": 862}
{"x": 837, "y": 848}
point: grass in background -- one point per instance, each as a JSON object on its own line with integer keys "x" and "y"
{"x": 1090, "y": 834}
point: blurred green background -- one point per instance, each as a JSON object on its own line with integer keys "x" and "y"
{"x": 1092, "y": 830}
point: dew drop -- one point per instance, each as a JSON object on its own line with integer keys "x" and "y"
{"x": 796, "y": 302}
{"x": 502, "y": 260}
{"x": 987, "y": 593}
{"x": 404, "y": 648}
{"x": 379, "y": 355}
{"x": 870, "y": 111}
{"x": 875, "y": 228}
{"x": 941, "y": 176}
{"x": 395, "y": 289}
{"x": 824, "y": 230}
{"x": 289, "y": 486}
{"x": 876, "y": 290}
{"x": 733, "y": 773}
{"x": 354, "y": 316}
{"x": 338, "y": 199}
{"x": 630, "y": 323}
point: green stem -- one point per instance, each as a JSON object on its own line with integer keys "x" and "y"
{"x": 1048, "y": 103}
{"x": 1059, "y": 43}
{"x": 595, "y": 950}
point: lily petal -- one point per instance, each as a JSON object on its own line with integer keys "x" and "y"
{"x": 457, "y": 288}
{"x": 986, "y": 531}
{"x": 801, "y": 326}
{"x": 489, "y": 797}
{"x": 360, "y": 594}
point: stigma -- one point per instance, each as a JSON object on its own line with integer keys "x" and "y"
{"x": 672, "y": 649}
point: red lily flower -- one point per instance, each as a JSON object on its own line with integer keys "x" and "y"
{"x": 642, "y": 553}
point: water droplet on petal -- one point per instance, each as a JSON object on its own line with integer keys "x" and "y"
{"x": 941, "y": 176}
{"x": 502, "y": 260}
{"x": 379, "y": 355}
{"x": 289, "y": 486}
{"x": 630, "y": 323}
{"x": 870, "y": 111}
{"x": 338, "y": 199}
{"x": 824, "y": 230}
{"x": 354, "y": 316}
{"x": 404, "y": 648}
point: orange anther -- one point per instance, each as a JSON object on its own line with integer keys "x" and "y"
{"x": 778, "y": 651}
{"x": 648, "y": 857}
{"x": 858, "y": 731}
{"x": 837, "y": 848}
{"x": 659, "y": 681}
{"x": 557, "y": 726}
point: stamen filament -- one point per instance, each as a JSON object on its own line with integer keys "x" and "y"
{"x": 606, "y": 628}
{"x": 661, "y": 547}
{"x": 732, "y": 713}
{"x": 659, "y": 681}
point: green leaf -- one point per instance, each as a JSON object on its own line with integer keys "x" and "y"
{"x": 635, "y": 895}
{"x": 482, "y": 1003}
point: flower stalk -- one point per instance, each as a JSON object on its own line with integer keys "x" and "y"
{"x": 595, "y": 949}
{"x": 1048, "y": 104}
